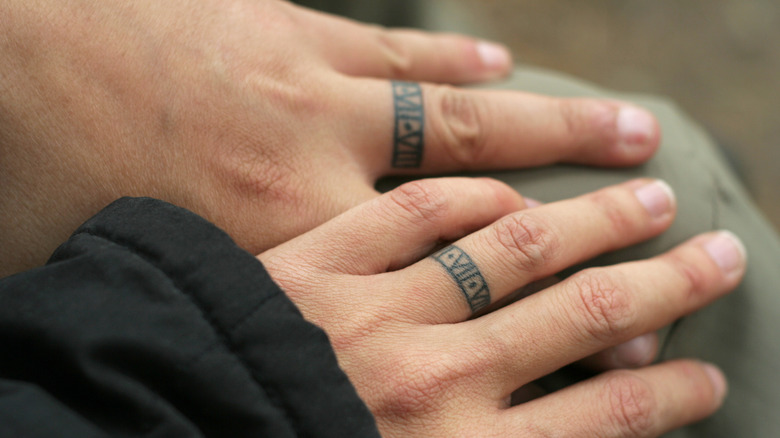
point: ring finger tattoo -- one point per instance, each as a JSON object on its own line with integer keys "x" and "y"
{"x": 408, "y": 138}
{"x": 464, "y": 271}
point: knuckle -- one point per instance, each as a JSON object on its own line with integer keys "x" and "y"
{"x": 402, "y": 398}
{"x": 571, "y": 116}
{"x": 495, "y": 342}
{"x": 398, "y": 56}
{"x": 417, "y": 383}
{"x": 582, "y": 118}
{"x": 604, "y": 307}
{"x": 458, "y": 122}
{"x": 249, "y": 170}
{"x": 414, "y": 394}
{"x": 353, "y": 334}
{"x": 529, "y": 243}
{"x": 422, "y": 201}
{"x": 620, "y": 222}
{"x": 692, "y": 275}
{"x": 631, "y": 403}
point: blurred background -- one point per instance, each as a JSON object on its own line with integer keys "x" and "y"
{"x": 718, "y": 59}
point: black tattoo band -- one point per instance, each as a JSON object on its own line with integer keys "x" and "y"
{"x": 466, "y": 274}
{"x": 408, "y": 141}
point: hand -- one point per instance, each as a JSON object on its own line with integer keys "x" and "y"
{"x": 248, "y": 111}
{"x": 400, "y": 324}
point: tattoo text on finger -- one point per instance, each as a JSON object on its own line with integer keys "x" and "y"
{"x": 466, "y": 274}
{"x": 408, "y": 139}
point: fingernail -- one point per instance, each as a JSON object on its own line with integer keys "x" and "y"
{"x": 718, "y": 380}
{"x": 531, "y": 203}
{"x": 636, "y": 352}
{"x": 727, "y": 251}
{"x": 635, "y": 126}
{"x": 657, "y": 198}
{"x": 493, "y": 56}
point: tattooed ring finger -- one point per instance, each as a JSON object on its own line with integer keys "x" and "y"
{"x": 533, "y": 244}
{"x": 422, "y": 127}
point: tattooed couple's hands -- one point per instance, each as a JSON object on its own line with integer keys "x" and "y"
{"x": 399, "y": 319}
{"x": 247, "y": 111}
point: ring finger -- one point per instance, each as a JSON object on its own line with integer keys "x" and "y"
{"x": 530, "y": 245}
{"x": 410, "y": 128}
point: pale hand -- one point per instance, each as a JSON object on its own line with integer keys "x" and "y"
{"x": 400, "y": 320}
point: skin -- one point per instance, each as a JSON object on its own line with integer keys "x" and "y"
{"x": 402, "y": 328}
{"x": 247, "y": 111}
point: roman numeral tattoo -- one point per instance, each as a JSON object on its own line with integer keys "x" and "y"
{"x": 466, "y": 274}
{"x": 408, "y": 139}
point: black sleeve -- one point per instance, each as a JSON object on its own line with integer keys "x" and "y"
{"x": 149, "y": 321}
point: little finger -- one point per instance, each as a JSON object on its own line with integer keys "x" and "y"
{"x": 641, "y": 403}
{"x": 638, "y": 352}
{"x": 358, "y": 49}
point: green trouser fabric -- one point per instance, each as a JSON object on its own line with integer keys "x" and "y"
{"x": 737, "y": 332}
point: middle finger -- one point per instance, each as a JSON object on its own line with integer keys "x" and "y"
{"x": 601, "y": 307}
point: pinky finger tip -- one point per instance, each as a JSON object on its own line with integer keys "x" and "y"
{"x": 532, "y": 203}
{"x": 494, "y": 57}
{"x": 638, "y": 132}
{"x": 728, "y": 252}
{"x": 717, "y": 379}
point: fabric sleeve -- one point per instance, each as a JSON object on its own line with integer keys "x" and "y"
{"x": 150, "y": 321}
